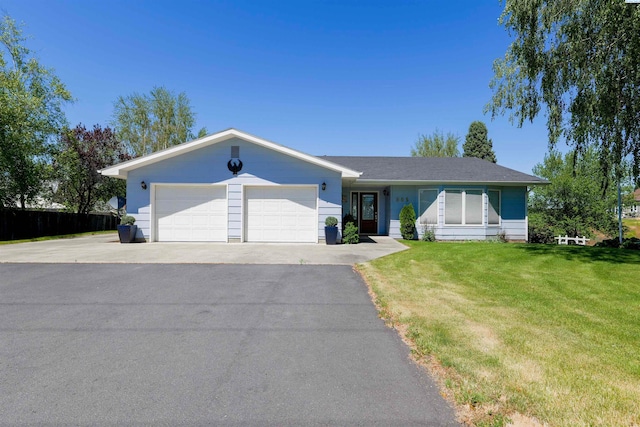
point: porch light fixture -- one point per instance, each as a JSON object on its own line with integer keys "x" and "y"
{"x": 324, "y": 186}
{"x": 143, "y": 185}
{"x": 385, "y": 192}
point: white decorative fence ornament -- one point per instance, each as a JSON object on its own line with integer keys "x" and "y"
{"x": 564, "y": 240}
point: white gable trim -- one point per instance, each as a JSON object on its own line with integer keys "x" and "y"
{"x": 121, "y": 170}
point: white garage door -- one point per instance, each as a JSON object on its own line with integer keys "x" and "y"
{"x": 190, "y": 213}
{"x": 281, "y": 214}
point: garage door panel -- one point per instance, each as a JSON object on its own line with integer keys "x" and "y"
{"x": 281, "y": 214}
{"x": 190, "y": 213}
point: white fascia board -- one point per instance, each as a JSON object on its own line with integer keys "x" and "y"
{"x": 438, "y": 182}
{"x": 121, "y": 170}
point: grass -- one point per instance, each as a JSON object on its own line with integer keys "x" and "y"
{"x": 521, "y": 332}
{"x": 632, "y": 226}
{"x": 64, "y": 236}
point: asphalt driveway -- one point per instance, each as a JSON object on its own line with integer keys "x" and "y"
{"x": 202, "y": 344}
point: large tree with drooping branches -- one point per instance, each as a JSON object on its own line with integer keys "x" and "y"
{"x": 578, "y": 63}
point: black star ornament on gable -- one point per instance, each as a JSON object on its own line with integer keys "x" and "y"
{"x": 235, "y": 166}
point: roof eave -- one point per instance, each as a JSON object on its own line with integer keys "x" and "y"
{"x": 448, "y": 182}
{"x": 121, "y": 170}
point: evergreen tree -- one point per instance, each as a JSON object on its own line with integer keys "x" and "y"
{"x": 477, "y": 144}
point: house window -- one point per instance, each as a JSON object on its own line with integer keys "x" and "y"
{"x": 428, "y": 207}
{"x": 473, "y": 207}
{"x": 463, "y": 207}
{"x": 354, "y": 206}
{"x": 494, "y": 207}
{"x": 453, "y": 207}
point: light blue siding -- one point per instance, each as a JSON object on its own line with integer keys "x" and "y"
{"x": 208, "y": 165}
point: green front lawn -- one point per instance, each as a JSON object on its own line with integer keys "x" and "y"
{"x": 517, "y": 331}
{"x": 633, "y": 227}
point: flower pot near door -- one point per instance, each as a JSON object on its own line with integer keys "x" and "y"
{"x": 127, "y": 230}
{"x": 331, "y": 230}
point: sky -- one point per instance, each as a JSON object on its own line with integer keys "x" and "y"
{"x": 332, "y": 77}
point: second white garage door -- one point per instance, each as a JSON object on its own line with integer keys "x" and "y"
{"x": 281, "y": 214}
{"x": 190, "y": 213}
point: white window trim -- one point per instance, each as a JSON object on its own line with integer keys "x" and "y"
{"x": 499, "y": 224}
{"x": 464, "y": 206}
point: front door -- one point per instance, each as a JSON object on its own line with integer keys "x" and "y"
{"x": 368, "y": 213}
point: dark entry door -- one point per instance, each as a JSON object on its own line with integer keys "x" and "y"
{"x": 369, "y": 213}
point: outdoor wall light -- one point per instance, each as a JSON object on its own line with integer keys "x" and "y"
{"x": 143, "y": 185}
{"x": 385, "y": 192}
{"x": 324, "y": 186}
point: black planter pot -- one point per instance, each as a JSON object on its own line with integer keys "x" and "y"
{"x": 331, "y": 235}
{"x": 127, "y": 233}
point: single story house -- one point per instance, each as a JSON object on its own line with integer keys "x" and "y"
{"x": 231, "y": 186}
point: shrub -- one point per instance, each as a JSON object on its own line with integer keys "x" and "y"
{"x": 608, "y": 243}
{"x": 331, "y": 221}
{"x": 348, "y": 218}
{"x": 539, "y": 230}
{"x": 350, "y": 234}
{"x": 428, "y": 234}
{"x": 127, "y": 220}
{"x": 631, "y": 243}
{"x": 408, "y": 222}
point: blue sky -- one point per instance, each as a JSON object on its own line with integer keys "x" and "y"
{"x": 324, "y": 77}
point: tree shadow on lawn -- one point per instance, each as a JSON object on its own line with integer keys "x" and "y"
{"x": 585, "y": 253}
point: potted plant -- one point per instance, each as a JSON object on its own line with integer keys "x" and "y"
{"x": 331, "y": 230}
{"x": 127, "y": 229}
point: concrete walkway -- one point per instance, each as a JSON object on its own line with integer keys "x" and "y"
{"x": 105, "y": 248}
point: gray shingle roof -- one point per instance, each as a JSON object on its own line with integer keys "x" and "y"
{"x": 433, "y": 169}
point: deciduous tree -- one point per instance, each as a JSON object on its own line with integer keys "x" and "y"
{"x": 81, "y": 154}
{"x": 31, "y": 100}
{"x": 436, "y": 145}
{"x": 153, "y": 122}
{"x": 574, "y": 202}
{"x": 578, "y": 61}
{"x": 477, "y": 144}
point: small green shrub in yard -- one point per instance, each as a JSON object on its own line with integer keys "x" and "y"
{"x": 408, "y": 222}
{"x": 627, "y": 243}
{"x": 350, "y": 235}
{"x": 631, "y": 243}
{"x": 539, "y": 230}
{"x": 347, "y": 219}
{"x": 501, "y": 237}
{"x": 428, "y": 234}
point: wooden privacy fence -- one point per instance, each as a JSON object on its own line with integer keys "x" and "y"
{"x": 19, "y": 224}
